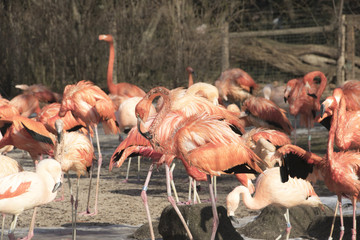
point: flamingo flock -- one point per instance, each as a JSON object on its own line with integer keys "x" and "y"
{"x": 216, "y": 129}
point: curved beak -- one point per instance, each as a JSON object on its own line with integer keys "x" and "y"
{"x": 322, "y": 110}
{"x": 234, "y": 220}
{"x": 56, "y": 187}
{"x": 285, "y": 99}
{"x": 146, "y": 135}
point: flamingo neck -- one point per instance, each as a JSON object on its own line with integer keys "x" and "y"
{"x": 323, "y": 83}
{"x": 191, "y": 81}
{"x": 340, "y": 121}
{"x": 110, "y": 83}
{"x": 249, "y": 201}
{"x": 333, "y": 127}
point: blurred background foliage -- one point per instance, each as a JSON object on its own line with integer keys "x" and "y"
{"x": 55, "y": 42}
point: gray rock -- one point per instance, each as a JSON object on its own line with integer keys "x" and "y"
{"x": 199, "y": 218}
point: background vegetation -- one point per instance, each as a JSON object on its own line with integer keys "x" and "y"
{"x": 55, "y": 43}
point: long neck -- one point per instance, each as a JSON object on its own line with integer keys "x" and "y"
{"x": 322, "y": 84}
{"x": 330, "y": 146}
{"x": 340, "y": 121}
{"x": 191, "y": 81}
{"x": 249, "y": 201}
{"x": 164, "y": 110}
{"x": 110, "y": 71}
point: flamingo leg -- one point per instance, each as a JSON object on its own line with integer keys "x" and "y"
{"x": 144, "y": 198}
{"x": 31, "y": 228}
{"x": 342, "y": 228}
{"x": 88, "y": 213}
{"x": 73, "y": 222}
{"x": 138, "y": 176}
{"x": 295, "y": 130}
{"x": 172, "y": 201}
{"x": 353, "y": 230}
{"x": 333, "y": 221}
{"x": 173, "y": 183}
{"x": 12, "y": 227}
{"x": 127, "y": 171}
{"x": 214, "y": 209}
{"x": 98, "y": 172}
{"x": 3, "y": 226}
{"x": 76, "y": 207}
{"x": 288, "y": 224}
{"x": 88, "y": 199}
{"x": 189, "y": 196}
{"x": 195, "y": 192}
{"x": 309, "y": 136}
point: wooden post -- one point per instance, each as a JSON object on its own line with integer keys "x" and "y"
{"x": 340, "y": 74}
{"x": 225, "y": 47}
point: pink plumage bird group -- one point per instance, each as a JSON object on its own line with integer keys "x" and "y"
{"x": 251, "y": 138}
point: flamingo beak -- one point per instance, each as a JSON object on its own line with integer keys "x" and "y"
{"x": 322, "y": 110}
{"x": 285, "y": 99}
{"x": 146, "y": 135}
{"x": 233, "y": 219}
{"x": 56, "y": 187}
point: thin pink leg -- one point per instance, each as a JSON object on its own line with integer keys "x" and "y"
{"x": 354, "y": 218}
{"x": 144, "y": 198}
{"x": 342, "y": 228}
{"x": 295, "y": 130}
{"x": 172, "y": 201}
{"x": 214, "y": 209}
{"x": 309, "y": 136}
{"x": 88, "y": 213}
{"x": 31, "y": 229}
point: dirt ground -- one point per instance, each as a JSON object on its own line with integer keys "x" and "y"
{"x": 120, "y": 203}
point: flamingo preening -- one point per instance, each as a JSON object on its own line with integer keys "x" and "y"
{"x": 89, "y": 103}
{"x": 196, "y": 139}
{"x": 235, "y": 85}
{"x": 303, "y": 96}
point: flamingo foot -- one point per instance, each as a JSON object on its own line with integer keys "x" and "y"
{"x": 88, "y": 213}
{"x": 11, "y": 236}
{"x": 60, "y": 199}
{"x": 125, "y": 181}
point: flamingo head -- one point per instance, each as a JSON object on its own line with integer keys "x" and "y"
{"x": 327, "y": 108}
{"x": 106, "y": 37}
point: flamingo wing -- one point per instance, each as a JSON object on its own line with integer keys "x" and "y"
{"x": 296, "y": 162}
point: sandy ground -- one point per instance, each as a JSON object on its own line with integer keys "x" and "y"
{"x": 120, "y": 203}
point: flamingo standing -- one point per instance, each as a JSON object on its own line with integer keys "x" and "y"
{"x": 269, "y": 190}
{"x": 8, "y": 166}
{"x": 197, "y": 139}
{"x": 347, "y": 133}
{"x": 89, "y": 103}
{"x": 121, "y": 89}
{"x": 75, "y": 153}
{"x": 235, "y": 85}
{"x": 27, "y": 190}
{"x": 338, "y": 169}
{"x": 303, "y": 96}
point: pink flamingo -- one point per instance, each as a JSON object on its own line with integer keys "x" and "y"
{"x": 210, "y": 137}
{"x": 121, "y": 89}
{"x": 303, "y": 96}
{"x": 89, "y": 103}
{"x": 338, "y": 169}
